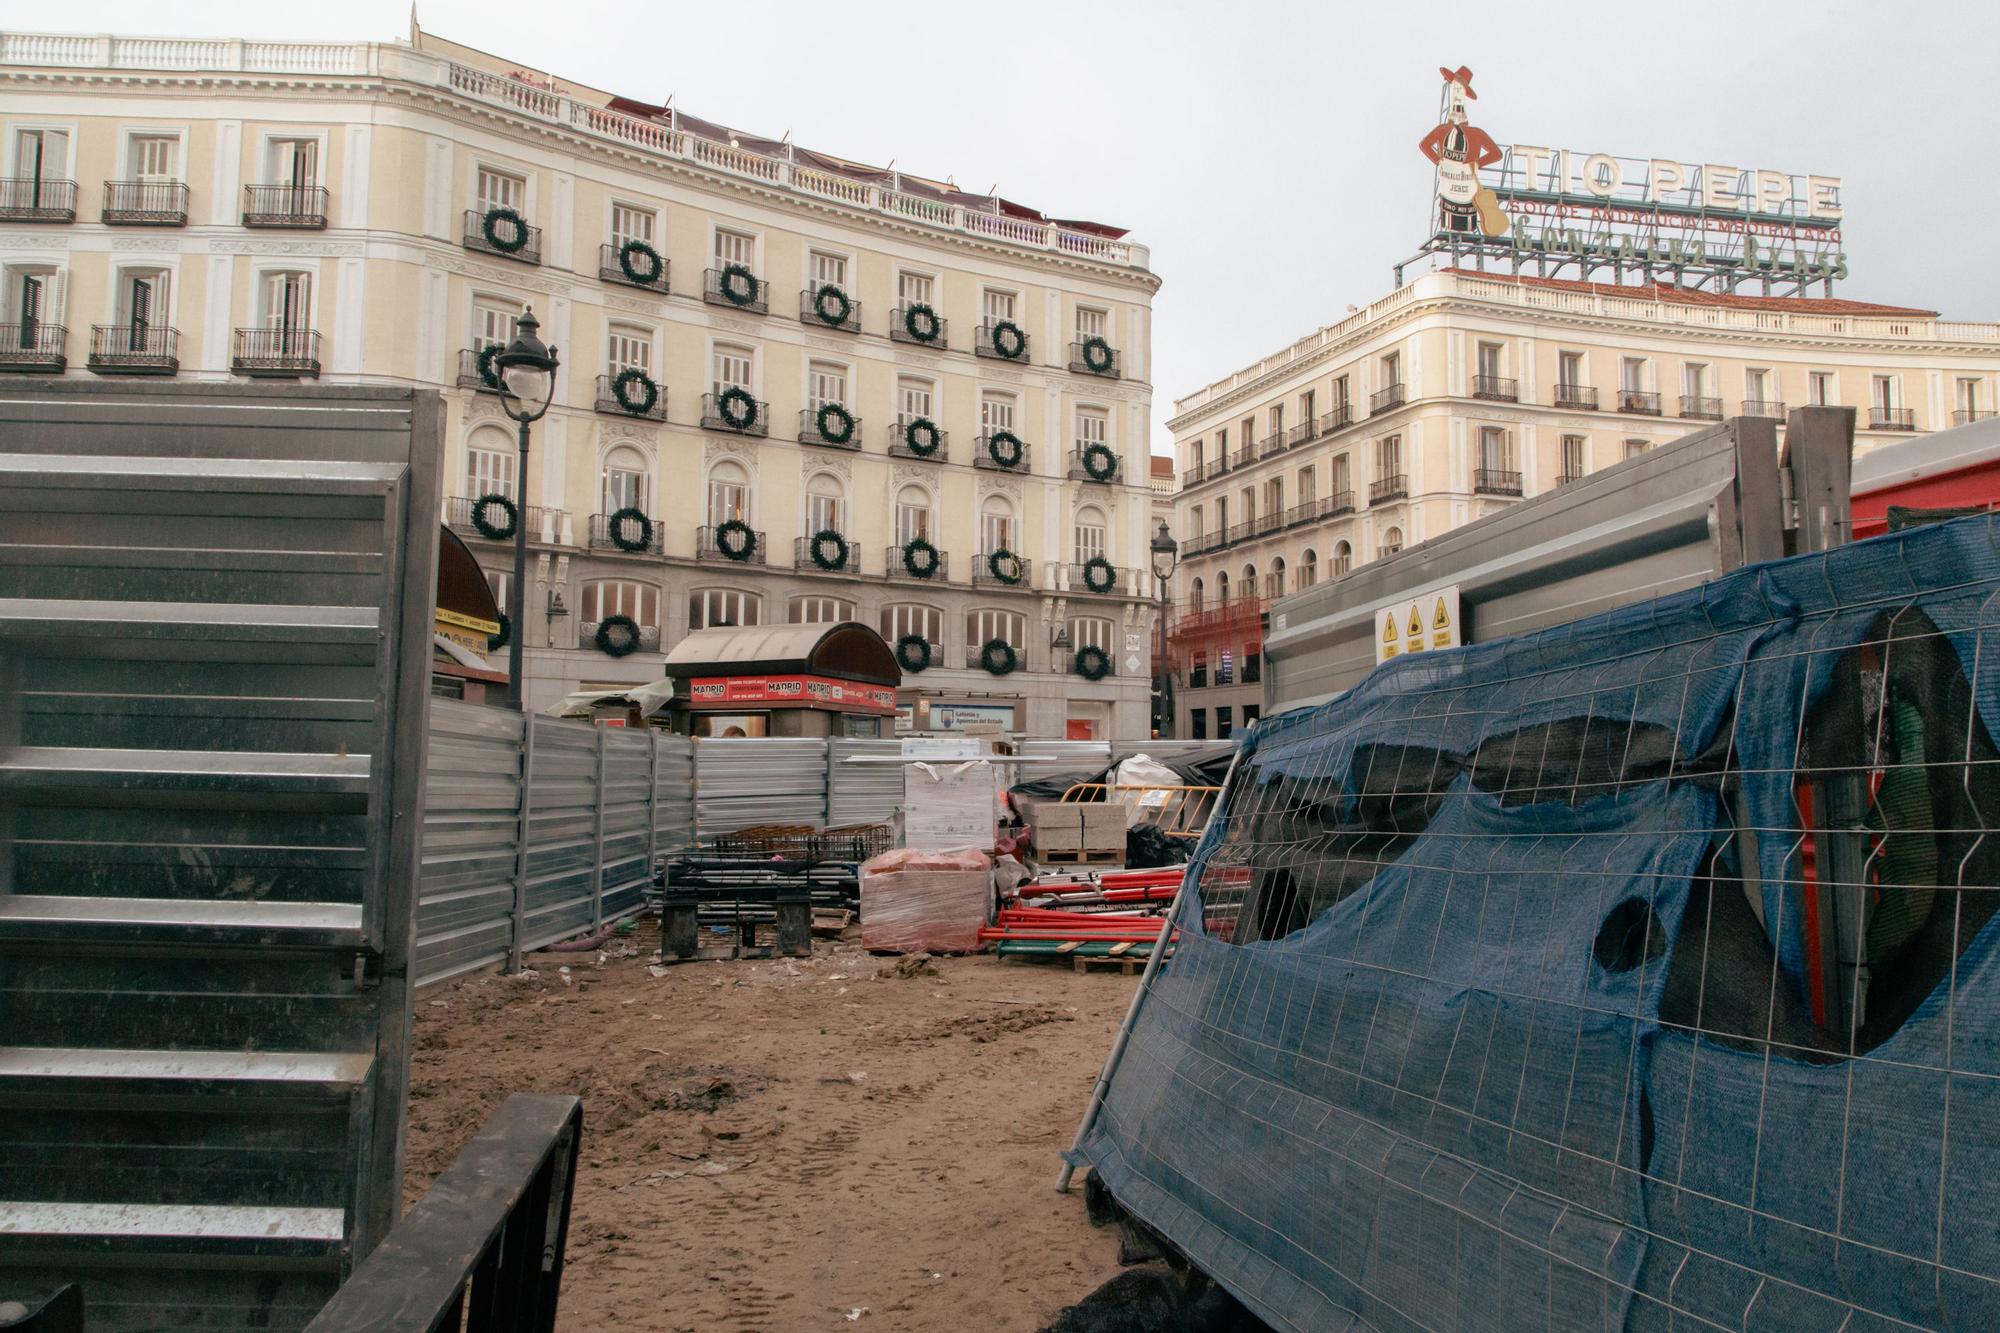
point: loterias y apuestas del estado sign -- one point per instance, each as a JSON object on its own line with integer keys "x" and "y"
{"x": 1564, "y": 202}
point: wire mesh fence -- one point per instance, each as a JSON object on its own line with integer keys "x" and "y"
{"x": 1638, "y": 973}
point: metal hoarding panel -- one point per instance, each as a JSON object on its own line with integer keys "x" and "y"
{"x": 865, "y": 793}
{"x": 765, "y": 780}
{"x": 465, "y": 900}
{"x": 215, "y": 608}
{"x": 562, "y": 794}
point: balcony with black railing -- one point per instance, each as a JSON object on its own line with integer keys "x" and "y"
{"x": 1576, "y": 397}
{"x": 34, "y": 346}
{"x": 1097, "y": 580}
{"x": 1496, "y": 388}
{"x": 910, "y": 439}
{"x": 1002, "y": 340}
{"x": 1695, "y": 407}
{"x": 920, "y": 326}
{"x": 1003, "y": 569}
{"x": 629, "y": 536}
{"x": 898, "y": 563}
{"x": 829, "y": 307}
{"x": 633, "y": 268}
{"x": 1094, "y": 356}
{"x": 284, "y": 206}
{"x": 276, "y": 353}
{"x": 1207, "y": 470}
{"x": 1305, "y": 511}
{"x": 821, "y": 554}
{"x": 736, "y": 288}
{"x": 586, "y": 636}
{"x": 1245, "y": 455}
{"x": 476, "y": 369}
{"x": 1763, "y": 407}
{"x": 645, "y": 398}
{"x": 1892, "y": 418}
{"x": 834, "y": 429}
{"x": 1339, "y": 417}
{"x": 1271, "y": 445}
{"x": 134, "y": 349}
{"x": 502, "y": 236}
{"x": 37, "y": 199}
{"x": 1241, "y": 531}
{"x": 735, "y": 412}
{"x": 730, "y": 544}
{"x": 1639, "y": 402}
{"x": 1304, "y": 433}
{"x": 1003, "y": 455}
{"x": 1496, "y": 481}
{"x": 1088, "y": 463}
{"x": 1340, "y": 502}
{"x": 545, "y": 524}
{"x": 1201, "y": 543}
{"x": 1385, "y": 400}
{"x": 1388, "y": 488}
{"x": 1266, "y": 524}
{"x": 1965, "y": 416}
{"x": 145, "y": 204}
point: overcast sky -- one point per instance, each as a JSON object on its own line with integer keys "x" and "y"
{"x": 1267, "y": 152}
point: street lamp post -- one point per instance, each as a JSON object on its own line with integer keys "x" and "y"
{"x": 1166, "y": 556}
{"x": 527, "y": 374}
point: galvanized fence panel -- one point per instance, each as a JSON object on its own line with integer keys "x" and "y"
{"x": 559, "y": 891}
{"x": 465, "y": 900}
{"x": 866, "y": 793}
{"x": 673, "y": 793}
{"x": 625, "y": 797}
{"x": 740, "y": 783}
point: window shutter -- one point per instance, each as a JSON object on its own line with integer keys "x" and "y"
{"x": 57, "y": 290}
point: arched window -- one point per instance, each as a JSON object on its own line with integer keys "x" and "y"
{"x": 1248, "y": 587}
{"x": 625, "y": 482}
{"x": 1308, "y": 568}
{"x": 981, "y": 627}
{"x": 1195, "y": 596}
{"x": 1222, "y": 587}
{"x": 913, "y": 514}
{"x": 489, "y": 464}
{"x": 1089, "y": 533}
{"x": 819, "y": 610}
{"x": 825, "y": 504}
{"x": 728, "y": 493}
{"x": 996, "y": 524}
{"x": 717, "y": 608}
{"x": 1089, "y": 632}
{"x": 621, "y": 597}
{"x": 1343, "y": 558}
{"x": 900, "y": 618}
{"x": 1276, "y": 579}
{"x": 1392, "y": 542}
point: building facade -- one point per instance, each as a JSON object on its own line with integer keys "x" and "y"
{"x": 793, "y": 388}
{"x": 1460, "y": 393}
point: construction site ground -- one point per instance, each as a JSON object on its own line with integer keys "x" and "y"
{"x": 843, "y": 1141}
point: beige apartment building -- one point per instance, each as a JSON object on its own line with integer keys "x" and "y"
{"x": 787, "y": 379}
{"x": 1460, "y": 393}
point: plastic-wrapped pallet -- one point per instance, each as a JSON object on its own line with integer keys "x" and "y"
{"x": 933, "y": 902}
{"x": 949, "y": 803}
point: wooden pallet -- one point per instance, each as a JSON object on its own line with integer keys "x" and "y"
{"x": 1129, "y": 964}
{"x": 1074, "y": 858}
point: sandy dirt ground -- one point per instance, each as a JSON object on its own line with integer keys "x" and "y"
{"x": 819, "y": 1143}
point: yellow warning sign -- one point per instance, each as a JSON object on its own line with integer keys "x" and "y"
{"x": 1416, "y": 624}
{"x": 1389, "y": 631}
{"x": 1441, "y": 625}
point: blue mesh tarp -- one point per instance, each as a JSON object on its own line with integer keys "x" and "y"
{"x": 1491, "y": 1003}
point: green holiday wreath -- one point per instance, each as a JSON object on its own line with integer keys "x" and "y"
{"x": 1004, "y": 566}
{"x": 617, "y": 636}
{"x": 1099, "y": 574}
{"x": 920, "y": 558}
{"x": 1097, "y": 355}
{"x": 832, "y": 305}
{"x": 737, "y": 408}
{"x": 488, "y": 374}
{"x": 736, "y": 540}
{"x": 1091, "y": 662}
{"x": 495, "y": 642}
{"x": 1009, "y": 341}
{"x": 922, "y": 323}
{"x": 737, "y": 284}
{"x": 489, "y": 228}
{"x": 921, "y": 437}
{"x": 640, "y": 262}
{"x": 1099, "y": 463}
{"x": 834, "y": 423}
{"x": 1004, "y": 447}
{"x": 913, "y": 653}
{"x": 635, "y": 391}
{"x": 829, "y": 550}
{"x": 616, "y": 525}
{"x": 483, "y": 521}
{"x": 998, "y": 657}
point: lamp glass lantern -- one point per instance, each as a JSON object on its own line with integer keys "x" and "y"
{"x": 1166, "y": 553}
{"x": 527, "y": 371}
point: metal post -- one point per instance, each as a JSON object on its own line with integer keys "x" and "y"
{"x": 652, "y": 800}
{"x": 1166, "y": 672}
{"x": 517, "y": 599}
{"x": 597, "y": 837}
{"x": 521, "y": 843}
{"x": 1138, "y": 997}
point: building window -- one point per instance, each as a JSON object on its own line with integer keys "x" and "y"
{"x": 1248, "y": 430}
{"x": 1091, "y": 323}
{"x": 293, "y": 162}
{"x": 1306, "y": 413}
{"x": 1089, "y": 534}
{"x": 1392, "y": 370}
{"x": 1757, "y": 386}
{"x": 723, "y": 608}
{"x": 824, "y": 503}
{"x": 1090, "y": 632}
{"x": 983, "y": 626}
{"x": 913, "y": 400}
{"x": 621, "y": 597}
{"x": 828, "y": 269}
{"x": 1820, "y": 390}
{"x": 1343, "y": 558}
{"x": 1341, "y": 398}
{"x": 728, "y": 494}
{"x": 627, "y": 348}
{"x": 1965, "y": 400}
{"x": 735, "y": 247}
{"x": 1633, "y": 448}
{"x": 499, "y": 189}
{"x": 1308, "y": 568}
{"x": 630, "y": 224}
{"x": 1572, "y": 457}
{"x": 143, "y": 301}
{"x": 1496, "y": 452}
{"x": 1274, "y": 582}
{"x": 489, "y": 465}
{"x": 1389, "y": 458}
{"x": 1194, "y": 525}
{"x": 1090, "y": 426}
{"x": 1342, "y": 482}
{"x": 996, "y": 524}
{"x": 1308, "y": 485}
{"x": 493, "y": 321}
{"x": 41, "y": 155}
{"x": 995, "y": 306}
{"x": 1694, "y": 379}
{"x": 1570, "y": 375}
{"x": 1249, "y": 498}
{"x": 1222, "y": 516}
{"x": 501, "y": 581}
{"x": 913, "y": 515}
{"x": 1251, "y": 712}
{"x": 626, "y": 482}
{"x": 1223, "y": 723}
{"x": 1225, "y": 667}
{"x": 996, "y": 412}
{"x": 1277, "y": 421}
{"x": 1882, "y": 393}
{"x": 915, "y": 289}
{"x": 288, "y": 302}
{"x": 818, "y": 610}
{"x": 1195, "y": 596}
{"x": 826, "y": 383}
{"x": 1274, "y": 499}
{"x": 1632, "y": 374}
{"x": 1222, "y": 587}
{"x": 900, "y": 618}
{"x": 1198, "y": 724}
{"x": 1253, "y": 664}
{"x": 734, "y": 367}
{"x": 1492, "y": 362}
{"x": 153, "y": 157}
{"x": 1392, "y": 542}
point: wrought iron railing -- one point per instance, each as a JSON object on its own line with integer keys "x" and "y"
{"x": 283, "y": 353}
{"x": 1079, "y": 580}
{"x": 1763, "y": 407}
{"x": 898, "y": 568}
{"x": 1577, "y": 397}
{"x": 283, "y": 205}
{"x": 529, "y": 251}
{"x": 37, "y": 199}
{"x": 1339, "y": 417}
{"x": 983, "y": 344}
{"x": 1080, "y": 364}
{"x": 544, "y": 522}
{"x": 899, "y": 329}
{"x": 1078, "y": 472}
{"x": 1892, "y": 418}
{"x": 134, "y": 349}
{"x": 810, "y": 312}
{"x": 651, "y": 538}
{"x": 760, "y": 294}
{"x": 1496, "y": 388}
{"x": 1385, "y": 400}
{"x": 1266, "y": 524}
{"x": 1271, "y": 445}
{"x": 713, "y": 419}
{"x": 33, "y": 345}
{"x": 1340, "y": 502}
{"x": 899, "y": 447}
{"x": 1303, "y": 433}
{"x": 707, "y": 548}
{"x": 469, "y": 374}
{"x": 1965, "y": 416}
{"x": 1639, "y": 402}
{"x": 810, "y": 433}
{"x": 982, "y": 456}
{"x": 1389, "y": 488}
{"x": 983, "y": 574}
{"x": 145, "y": 203}
{"x": 607, "y": 400}
{"x": 1496, "y": 481}
{"x": 1698, "y": 408}
{"x": 849, "y": 561}
{"x": 610, "y": 269}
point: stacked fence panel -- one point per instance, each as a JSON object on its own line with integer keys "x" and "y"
{"x": 863, "y": 793}
{"x": 465, "y": 905}
{"x": 673, "y": 793}
{"x": 562, "y": 832}
{"x": 759, "y": 781}
{"x": 625, "y": 850}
